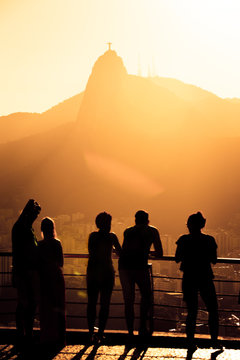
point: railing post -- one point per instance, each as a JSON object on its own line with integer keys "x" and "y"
{"x": 151, "y": 310}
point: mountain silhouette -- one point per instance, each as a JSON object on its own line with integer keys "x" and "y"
{"x": 19, "y": 125}
{"x": 127, "y": 142}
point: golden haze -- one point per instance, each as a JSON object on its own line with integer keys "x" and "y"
{"x": 127, "y": 142}
{"x": 48, "y": 46}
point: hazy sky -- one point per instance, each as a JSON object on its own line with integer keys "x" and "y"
{"x": 48, "y": 47}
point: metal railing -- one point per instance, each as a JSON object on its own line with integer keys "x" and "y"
{"x": 169, "y": 310}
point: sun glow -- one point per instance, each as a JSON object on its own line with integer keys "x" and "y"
{"x": 122, "y": 175}
{"x": 49, "y": 47}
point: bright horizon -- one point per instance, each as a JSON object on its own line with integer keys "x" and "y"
{"x": 49, "y": 47}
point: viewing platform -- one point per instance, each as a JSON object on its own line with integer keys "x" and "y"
{"x": 116, "y": 347}
{"x": 168, "y": 313}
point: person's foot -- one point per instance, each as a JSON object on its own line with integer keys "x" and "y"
{"x": 90, "y": 337}
{"x": 99, "y": 338}
{"x": 130, "y": 338}
{"x": 191, "y": 347}
{"x": 144, "y": 332}
{"x": 216, "y": 344}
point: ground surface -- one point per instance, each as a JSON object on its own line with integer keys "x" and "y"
{"x": 122, "y": 352}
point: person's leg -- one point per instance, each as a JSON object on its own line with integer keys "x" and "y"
{"x": 29, "y": 320}
{"x": 92, "y": 291}
{"x": 22, "y": 305}
{"x": 105, "y": 298}
{"x": 128, "y": 288}
{"x": 20, "y": 328}
{"x": 208, "y": 294}
{"x": 144, "y": 283}
{"x": 32, "y": 284}
{"x": 190, "y": 296}
{"x": 61, "y": 311}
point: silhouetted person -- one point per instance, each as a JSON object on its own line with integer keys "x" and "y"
{"x": 196, "y": 251}
{"x": 52, "y": 287}
{"x": 133, "y": 268}
{"x": 25, "y": 275}
{"x": 100, "y": 272}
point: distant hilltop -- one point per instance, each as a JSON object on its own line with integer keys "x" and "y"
{"x": 126, "y": 142}
{"x": 109, "y": 83}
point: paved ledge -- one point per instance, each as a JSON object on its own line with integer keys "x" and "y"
{"x": 120, "y": 352}
{"x": 160, "y": 346}
{"x": 163, "y": 339}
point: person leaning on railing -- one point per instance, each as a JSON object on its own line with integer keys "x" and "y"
{"x": 100, "y": 273}
{"x": 196, "y": 252}
{"x": 133, "y": 269}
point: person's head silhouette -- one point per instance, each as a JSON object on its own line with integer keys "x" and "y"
{"x": 141, "y": 218}
{"x": 30, "y": 212}
{"x": 48, "y": 228}
{"x": 103, "y": 221}
{"x": 196, "y": 222}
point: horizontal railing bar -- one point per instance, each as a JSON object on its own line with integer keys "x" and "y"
{"x": 75, "y": 275}
{"x": 110, "y": 317}
{"x": 180, "y": 292}
{"x": 220, "y": 260}
{"x": 138, "y": 303}
{"x": 180, "y": 278}
{"x": 200, "y": 308}
{"x": 167, "y": 291}
{"x": 166, "y": 277}
{"x": 117, "y": 290}
{"x": 157, "y": 305}
{"x": 153, "y": 276}
{"x": 161, "y": 277}
{"x": 80, "y": 256}
{"x": 227, "y": 281}
{"x": 229, "y": 295}
{"x": 203, "y": 322}
{"x": 85, "y": 289}
{"x": 161, "y": 319}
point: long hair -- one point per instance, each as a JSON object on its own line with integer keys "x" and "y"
{"x": 48, "y": 228}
